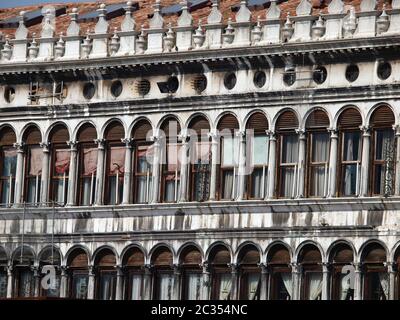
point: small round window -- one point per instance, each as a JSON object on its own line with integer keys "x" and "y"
{"x": 384, "y": 70}
{"x": 89, "y": 90}
{"x": 260, "y": 78}
{"x": 200, "y": 83}
{"x": 143, "y": 87}
{"x": 352, "y": 73}
{"x": 289, "y": 77}
{"x": 9, "y": 94}
{"x": 116, "y": 88}
{"x": 319, "y": 75}
{"x": 230, "y": 81}
{"x": 173, "y": 84}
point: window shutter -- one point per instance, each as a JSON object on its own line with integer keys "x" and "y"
{"x": 141, "y": 129}
{"x": 106, "y": 258}
{"x": 382, "y": 116}
{"x": 249, "y": 256}
{"x": 134, "y": 258}
{"x": 228, "y": 121}
{"x": 374, "y": 253}
{"x": 78, "y": 259}
{"x": 87, "y": 133}
{"x": 32, "y": 136}
{"x": 59, "y": 134}
{"x": 258, "y": 122}
{"x": 115, "y": 132}
{"x": 317, "y": 119}
{"x": 162, "y": 257}
{"x": 279, "y": 254}
{"x": 287, "y": 121}
{"x": 310, "y": 255}
{"x": 7, "y": 137}
{"x": 199, "y": 124}
{"x": 350, "y": 118}
{"x": 171, "y": 124}
{"x": 220, "y": 255}
{"x": 343, "y": 254}
{"x": 191, "y": 256}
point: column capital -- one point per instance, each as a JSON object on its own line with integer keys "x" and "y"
{"x": 264, "y": 267}
{"x": 73, "y": 145}
{"x": 177, "y": 269}
{"x": 45, "y": 146}
{"x": 120, "y": 270}
{"x": 20, "y": 146}
{"x": 396, "y": 129}
{"x": 128, "y": 142}
{"x": 296, "y": 267}
{"x": 205, "y": 266}
{"x": 301, "y": 132}
{"x": 214, "y": 135}
{"x": 325, "y": 266}
{"x": 240, "y": 134}
{"x": 357, "y": 266}
{"x": 100, "y": 143}
{"x": 184, "y": 137}
{"x": 91, "y": 270}
{"x": 148, "y": 268}
{"x": 271, "y": 134}
{"x": 366, "y": 130}
{"x": 234, "y": 267}
{"x": 333, "y": 132}
{"x": 35, "y": 270}
{"x": 9, "y": 270}
{"x": 64, "y": 270}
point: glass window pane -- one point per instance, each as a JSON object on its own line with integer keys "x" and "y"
{"x": 351, "y": 146}
{"x": 290, "y": 149}
{"x": 193, "y": 286}
{"x": 225, "y": 286}
{"x": 384, "y": 144}
{"x": 165, "y": 286}
{"x": 350, "y": 180}
{"x": 288, "y": 186}
{"x": 227, "y": 184}
{"x": 320, "y": 146}
{"x": 318, "y": 181}
{"x": 136, "y": 286}
{"x": 229, "y": 151}
{"x": 259, "y": 150}
{"x": 257, "y": 181}
{"x": 9, "y": 162}
{"x": 25, "y": 283}
{"x": 107, "y": 286}
{"x": 314, "y": 286}
{"x": 253, "y": 280}
{"x": 79, "y": 286}
{"x": 3, "y": 284}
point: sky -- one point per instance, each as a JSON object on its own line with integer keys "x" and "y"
{"x": 19, "y": 3}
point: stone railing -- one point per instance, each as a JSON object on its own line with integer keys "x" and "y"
{"x": 158, "y": 38}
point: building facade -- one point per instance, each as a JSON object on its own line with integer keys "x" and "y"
{"x": 231, "y": 157}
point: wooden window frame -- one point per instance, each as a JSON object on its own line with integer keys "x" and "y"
{"x": 193, "y": 172}
{"x": 222, "y": 169}
{"x": 53, "y": 178}
{"x": 27, "y": 176}
{"x": 71, "y": 288}
{"x": 157, "y": 271}
{"x": 17, "y": 278}
{"x": 335, "y": 277}
{"x": 280, "y": 165}
{"x": 109, "y": 145}
{"x": 5, "y": 178}
{"x": 264, "y": 169}
{"x": 277, "y": 270}
{"x": 188, "y": 269}
{"x": 246, "y": 270}
{"x": 216, "y": 271}
{"x": 99, "y": 274}
{"x": 130, "y": 271}
{"x": 369, "y": 269}
{"x": 305, "y": 283}
{"x": 135, "y": 183}
{"x": 165, "y": 172}
{"x": 81, "y": 176}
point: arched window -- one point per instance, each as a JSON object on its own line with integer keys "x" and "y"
{"x": 3, "y": 273}
{"x": 115, "y": 163}
{"x": 163, "y": 276}
{"x": 288, "y": 166}
{"x": 106, "y": 275}
{"x": 200, "y": 159}
{"x": 133, "y": 263}
{"x": 228, "y": 126}
{"x": 318, "y": 154}
{"x": 171, "y": 164}
{"x": 221, "y": 273}
{"x": 143, "y": 183}
{"x": 249, "y": 280}
{"x": 350, "y": 155}
{"x": 87, "y": 164}
{"x": 397, "y": 274}
{"x": 257, "y": 155}
{"x": 78, "y": 274}
{"x": 33, "y": 165}
{"x": 310, "y": 261}
{"x": 341, "y": 260}
{"x": 190, "y": 261}
{"x": 280, "y": 272}
{"x": 24, "y": 281}
{"x": 8, "y": 164}
{"x": 375, "y": 276}
{"x": 383, "y": 151}
{"x": 61, "y": 156}
{"x": 50, "y": 259}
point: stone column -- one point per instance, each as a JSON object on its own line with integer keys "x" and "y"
{"x": 19, "y": 175}
{"x": 397, "y": 159}
{"x": 325, "y": 281}
{"x": 301, "y": 163}
{"x": 73, "y": 174}
{"x": 64, "y": 282}
{"x": 296, "y": 281}
{"x": 9, "y": 281}
{"x": 235, "y": 279}
{"x": 147, "y": 283}
{"x": 264, "y": 278}
{"x": 100, "y": 171}
{"x": 91, "y": 283}
{"x": 242, "y": 166}
{"x": 392, "y": 280}
{"x": 126, "y": 197}
{"x": 206, "y": 292}
{"x": 177, "y": 294}
{"x": 119, "y": 292}
{"x": 333, "y": 155}
{"x": 271, "y": 165}
{"x": 44, "y": 190}
{"x": 357, "y": 282}
{"x": 36, "y": 277}
{"x": 214, "y": 164}
{"x": 157, "y": 140}
{"x": 364, "y": 177}
{"x": 185, "y": 161}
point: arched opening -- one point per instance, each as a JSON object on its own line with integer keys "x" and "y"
{"x": 8, "y": 165}
{"x": 397, "y": 274}
{"x": 190, "y": 262}
{"x": 280, "y": 273}
{"x": 200, "y": 159}
{"x": 143, "y": 181}
{"x": 341, "y": 260}
{"x": 133, "y": 264}
{"x": 311, "y": 264}
{"x": 78, "y": 274}
{"x": 221, "y": 273}
{"x": 163, "y": 275}
{"x": 257, "y": 155}
{"x": 318, "y": 154}
{"x": 115, "y": 163}
{"x": 60, "y": 162}
{"x": 350, "y": 156}
{"x": 3, "y": 273}
{"x": 228, "y": 155}
{"x": 375, "y": 276}
{"x": 24, "y": 280}
{"x": 383, "y": 151}
{"x": 288, "y": 155}
{"x": 106, "y": 275}
{"x": 171, "y": 164}
{"x": 249, "y": 276}
{"x": 87, "y": 170}
{"x": 33, "y": 164}
{"x": 49, "y": 264}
